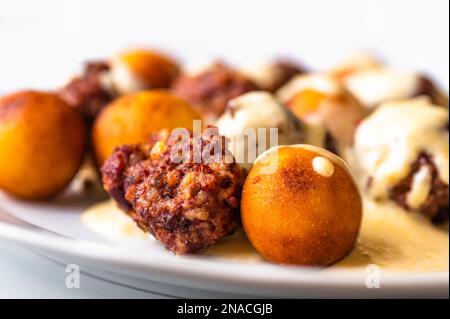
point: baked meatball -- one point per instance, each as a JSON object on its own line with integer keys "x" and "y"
{"x": 89, "y": 92}
{"x": 212, "y": 88}
{"x": 401, "y": 154}
{"x": 301, "y": 206}
{"x": 186, "y": 204}
{"x": 42, "y": 144}
{"x": 130, "y": 119}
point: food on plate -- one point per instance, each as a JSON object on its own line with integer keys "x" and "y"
{"x": 263, "y": 183}
{"x": 42, "y": 143}
{"x": 210, "y": 89}
{"x": 374, "y": 86}
{"x": 273, "y": 75}
{"x": 401, "y": 154}
{"x": 389, "y": 237}
{"x": 249, "y": 122}
{"x": 142, "y": 69}
{"x": 89, "y": 92}
{"x": 131, "y": 119}
{"x": 188, "y": 205}
{"x": 330, "y": 112}
{"x": 301, "y": 206}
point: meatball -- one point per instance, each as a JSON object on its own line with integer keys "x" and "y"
{"x": 211, "y": 89}
{"x": 88, "y": 93}
{"x": 187, "y": 205}
{"x": 130, "y": 119}
{"x": 400, "y": 153}
{"x": 42, "y": 144}
{"x": 301, "y": 206}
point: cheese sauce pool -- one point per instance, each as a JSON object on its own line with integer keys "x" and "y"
{"x": 390, "y": 238}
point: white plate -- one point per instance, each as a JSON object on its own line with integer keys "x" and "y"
{"x": 54, "y": 229}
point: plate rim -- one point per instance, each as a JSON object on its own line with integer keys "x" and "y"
{"x": 291, "y": 276}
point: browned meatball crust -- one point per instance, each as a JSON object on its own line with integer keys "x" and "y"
{"x": 436, "y": 205}
{"x": 86, "y": 92}
{"x": 211, "y": 90}
{"x": 187, "y": 206}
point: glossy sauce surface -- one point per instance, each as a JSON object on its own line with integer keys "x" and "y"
{"x": 389, "y": 238}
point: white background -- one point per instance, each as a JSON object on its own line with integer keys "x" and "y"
{"x": 43, "y": 42}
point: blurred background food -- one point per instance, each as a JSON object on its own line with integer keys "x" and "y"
{"x": 128, "y": 72}
{"x": 271, "y": 75}
{"x": 330, "y": 112}
{"x": 210, "y": 89}
{"x": 142, "y": 69}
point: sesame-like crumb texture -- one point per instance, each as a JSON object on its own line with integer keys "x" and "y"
{"x": 187, "y": 206}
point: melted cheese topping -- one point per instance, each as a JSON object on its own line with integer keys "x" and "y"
{"x": 108, "y": 220}
{"x": 374, "y": 86}
{"x": 327, "y": 155}
{"x": 391, "y": 139}
{"x": 420, "y": 188}
{"x": 396, "y": 240}
{"x": 389, "y": 238}
{"x": 323, "y": 166}
{"x": 257, "y": 110}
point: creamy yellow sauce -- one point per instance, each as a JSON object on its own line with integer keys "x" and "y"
{"x": 396, "y": 240}
{"x": 390, "y": 238}
{"x": 108, "y": 220}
